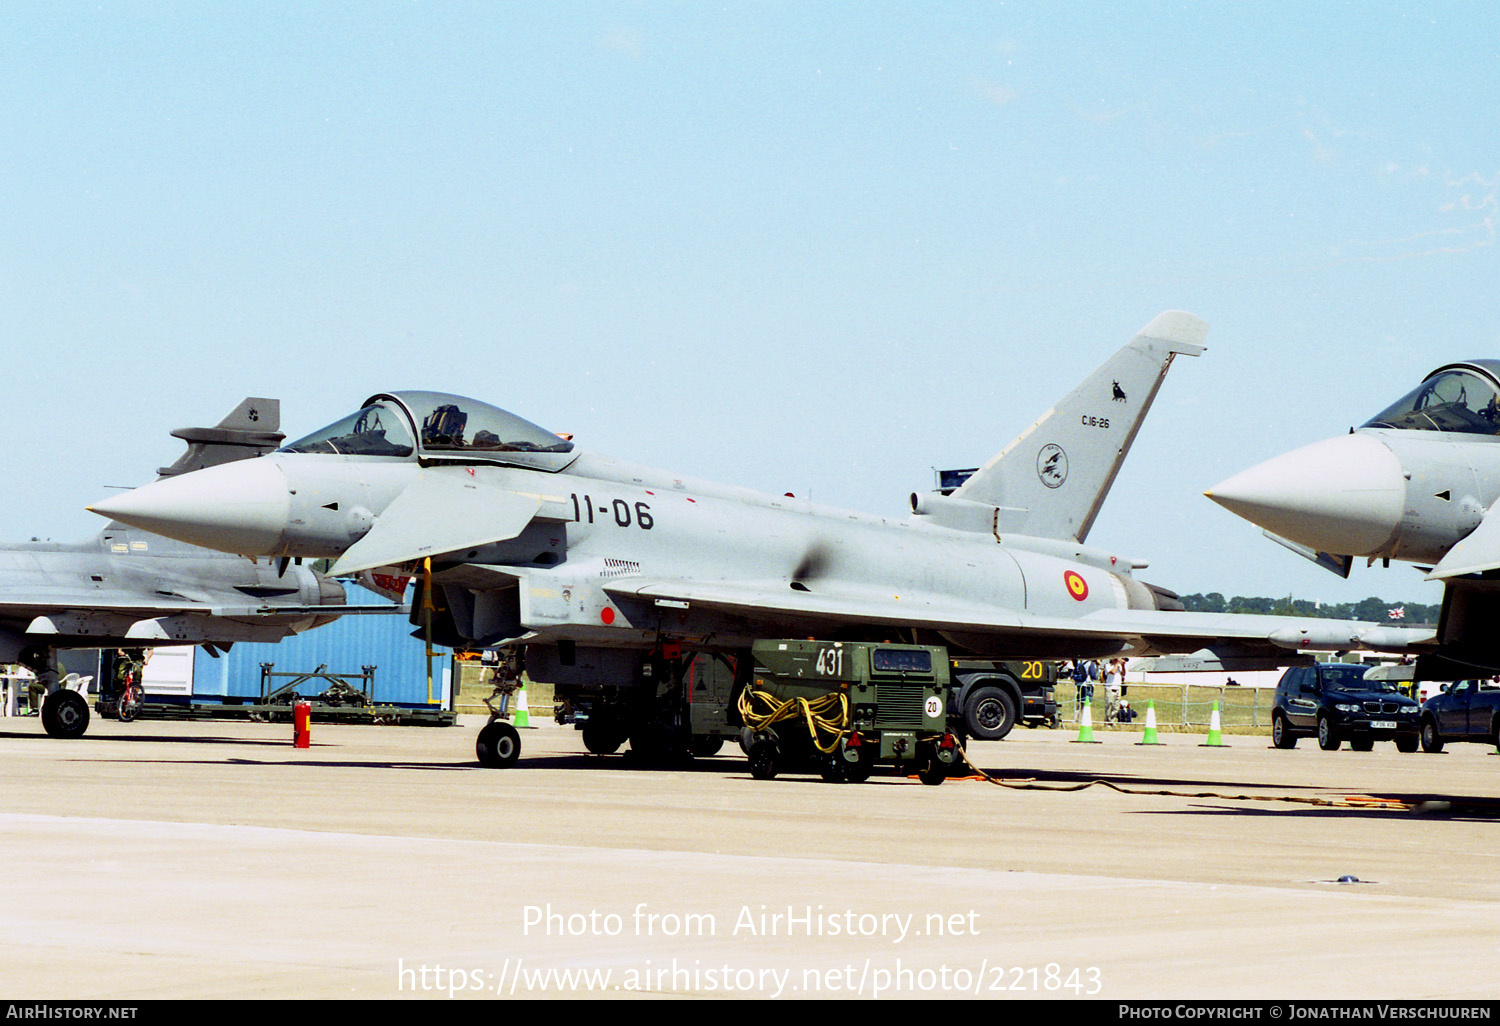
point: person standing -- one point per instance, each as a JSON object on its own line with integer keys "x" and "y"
{"x": 1114, "y": 681}
{"x": 1085, "y": 674}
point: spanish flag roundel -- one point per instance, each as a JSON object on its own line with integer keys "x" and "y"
{"x": 1077, "y": 586}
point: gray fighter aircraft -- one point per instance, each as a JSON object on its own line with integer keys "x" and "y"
{"x": 126, "y": 588}
{"x": 607, "y": 575}
{"x": 1417, "y": 483}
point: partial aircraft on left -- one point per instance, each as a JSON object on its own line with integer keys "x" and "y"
{"x": 125, "y": 588}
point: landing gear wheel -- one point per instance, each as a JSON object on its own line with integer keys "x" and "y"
{"x": 1406, "y": 743}
{"x": 130, "y": 704}
{"x": 990, "y": 713}
{"x": 498, "y": 746}
{"x": 1362, "y": 744}
{"x": 763, "y": 760}
{"x": 1281, "y": 733}
{"x": 65, "y": 714}
{"x": 1328, "y": 738}
{"x": 930, "y": 769}
{"x": 705, "y": 745}
{"x": 1432, "y": 741}
{"x": 601, "y": 740}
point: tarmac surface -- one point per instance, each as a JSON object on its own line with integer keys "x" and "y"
{"x": 213, "y": 860}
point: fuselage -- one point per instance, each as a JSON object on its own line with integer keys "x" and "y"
{"x": 590, "y": 526}
{"x": 606, "y": 521}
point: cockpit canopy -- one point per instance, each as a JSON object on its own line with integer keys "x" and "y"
{"x": 439, "y": 426}
{"x": 1460, "y": 397}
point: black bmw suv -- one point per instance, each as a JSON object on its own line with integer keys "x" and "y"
{"x": 1334, "y": 703}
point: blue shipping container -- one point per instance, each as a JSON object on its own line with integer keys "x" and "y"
{"x": 344, "y": 646}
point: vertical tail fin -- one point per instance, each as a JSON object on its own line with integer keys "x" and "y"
{"x": 1051, "y": 481}
{"x": 251, "y": 429}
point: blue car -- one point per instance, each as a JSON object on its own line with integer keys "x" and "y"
{"x": 1467, "y": 710}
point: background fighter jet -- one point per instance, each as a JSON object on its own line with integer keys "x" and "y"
{"x": 126, "y": 588}
{"x": 1418, "y": 482}
{"x": 603, "y": 571}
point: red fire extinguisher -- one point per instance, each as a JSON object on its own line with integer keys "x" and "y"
{"x": 302, "y": 724}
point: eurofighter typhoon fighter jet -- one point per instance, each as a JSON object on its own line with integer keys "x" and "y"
{"x": 606, "y": 576}
{"x": 126, "y": 588}
{"x": 1418, "y": 482}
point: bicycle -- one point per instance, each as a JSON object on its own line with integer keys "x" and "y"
{"x": 132, "y": 697}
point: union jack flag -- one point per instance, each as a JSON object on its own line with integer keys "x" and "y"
{"x": 1399, "y": 613}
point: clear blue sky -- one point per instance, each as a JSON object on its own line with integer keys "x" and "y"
{"x": 800, "y": 246}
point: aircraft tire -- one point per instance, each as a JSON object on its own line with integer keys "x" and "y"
{"x": 65, "y": 714}
{"x": 1406, "y": 743}
{"x": 1432, "y": 741}
{"x": 989, "y": 713}
{"x": 499, "y": 746}
{"x": 1281, "y": 732}
{"x": 1362, "y": 744}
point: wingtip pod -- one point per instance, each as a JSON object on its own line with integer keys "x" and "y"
{"x": 1336, "y": 635}
{"x": 1183, "y": 332}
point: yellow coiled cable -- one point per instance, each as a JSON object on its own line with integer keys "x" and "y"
{"x": 827, "y": 716}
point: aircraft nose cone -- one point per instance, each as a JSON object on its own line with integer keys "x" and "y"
{"x": 1344, "y": 495}
{"x": 239, "y": 507}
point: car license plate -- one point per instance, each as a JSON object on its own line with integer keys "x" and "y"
{"x": 1383, "y": 724}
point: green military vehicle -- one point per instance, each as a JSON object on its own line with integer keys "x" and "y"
{"x": 697, "y": 702}
{"x": 840, "y": 709}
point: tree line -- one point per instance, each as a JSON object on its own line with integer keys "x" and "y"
{"x": 1372, "y": 609}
